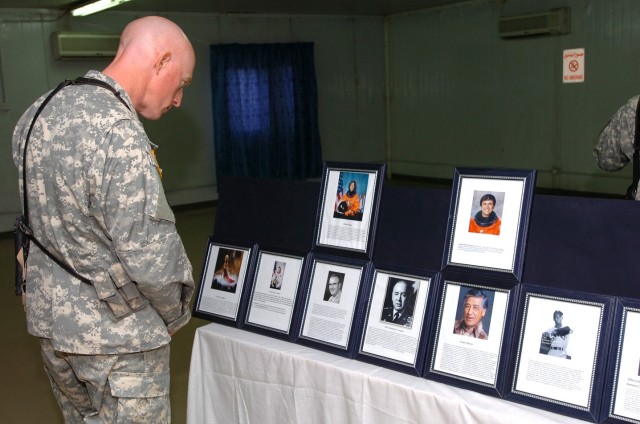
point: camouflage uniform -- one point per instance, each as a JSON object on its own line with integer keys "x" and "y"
{"x": 614, "y": 148}
{"x": 96, "y": 201}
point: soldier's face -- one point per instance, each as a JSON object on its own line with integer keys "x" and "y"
{"x": 172, "y": 74}
{"x": 473, "y": 311}
{"x": 487, "y": 207}
{"x": 399, "y": 296}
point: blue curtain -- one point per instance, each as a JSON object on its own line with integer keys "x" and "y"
{"x": 265, "y": 110}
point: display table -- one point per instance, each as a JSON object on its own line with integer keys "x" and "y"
{"x": 237, "y": 376}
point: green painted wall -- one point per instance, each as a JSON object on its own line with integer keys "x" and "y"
{"x": 462, "y": 96}
{"x": 426, "y": 91}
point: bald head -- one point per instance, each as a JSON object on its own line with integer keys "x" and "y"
{"x": 148, "y": 34}
{"x": 154, "y": 62}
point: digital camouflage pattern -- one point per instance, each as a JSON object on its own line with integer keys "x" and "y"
{"x": 614, "y": 148}
{"x": 127, "y": 388}
{"x": 96, "y": 201}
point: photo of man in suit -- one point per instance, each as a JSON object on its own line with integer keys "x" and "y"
{"x": 333, "y": 291}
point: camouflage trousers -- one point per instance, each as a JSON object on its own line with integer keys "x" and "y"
{"x": 127, "y": 388}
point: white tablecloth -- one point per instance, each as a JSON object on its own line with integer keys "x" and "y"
{"x": 240, "y": 377}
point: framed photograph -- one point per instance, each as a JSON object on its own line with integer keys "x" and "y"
{"x": 622, "y": 388}
{"x": 561, "y": 351}
{"x": 348, "y": 208}
{"x": 398, "y": 312}
{"x": 472, "y": 336}
{"x": 274, "y": 290}
{"x": 330, "y": 303}
{"x": 220, "y": 295}
{"x": 488, "y": 220}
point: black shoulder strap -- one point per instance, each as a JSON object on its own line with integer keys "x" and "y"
{"x": 60, "y": 86}
{"x": 25, "y": 224}
{"x": 27, "y": 230}
{"x": 63, "y": 84}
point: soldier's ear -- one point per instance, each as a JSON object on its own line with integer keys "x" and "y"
{"x": 162, "y": 61}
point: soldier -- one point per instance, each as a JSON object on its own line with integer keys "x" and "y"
{"x": 399, "y": 312}
{"x": 615, "y": 145}
{"x": 96, "y": 202}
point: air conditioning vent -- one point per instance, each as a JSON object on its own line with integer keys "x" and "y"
{"x": 551, "y": 22}
{"x": 84, "y": 45}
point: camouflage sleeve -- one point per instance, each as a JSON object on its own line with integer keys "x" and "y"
{"x": 614, "y": 147}
{"x": 142, "y": 227}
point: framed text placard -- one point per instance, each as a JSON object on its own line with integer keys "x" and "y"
{"x": 396, "y": 317}
{"x": 330, "y": 305}
{"x": 348, "y": 208}
{"x": 472, "y": 329}
{"x": 488, "y": 220}
{"x": 222, "y": 283}
{"x": 622, "y": 389}
{"x": 274, "y": 290}
{"x": 562, "y": 351}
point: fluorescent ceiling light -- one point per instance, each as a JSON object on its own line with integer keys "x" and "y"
{"x": 96, "y": 6}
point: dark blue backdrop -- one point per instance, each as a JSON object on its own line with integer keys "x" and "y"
{"x": 584, "y": 244}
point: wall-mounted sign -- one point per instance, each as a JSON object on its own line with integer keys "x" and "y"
{"x": 573, "y": 65}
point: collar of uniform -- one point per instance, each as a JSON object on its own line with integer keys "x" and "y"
{"x": 102, "y": 77}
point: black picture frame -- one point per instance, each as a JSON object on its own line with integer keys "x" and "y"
{"x": 327, "y": 320}
{"x": 561, "y": 351}
{"x": 221, "y": 296}
{"x": 482, "y": 335}
{"x": 493, "y": 245}
{"x": 397, "y": 342}
{"x": 343, "y": 224}
{"x": 622, "y": 385}
{"x": 273, "y": 292}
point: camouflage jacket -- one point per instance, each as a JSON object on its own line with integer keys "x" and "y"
{"x": 614, "y": 147}
{"x": 96, "y": 202}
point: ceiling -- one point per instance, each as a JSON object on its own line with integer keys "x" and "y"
{"x": 319, "y": 7}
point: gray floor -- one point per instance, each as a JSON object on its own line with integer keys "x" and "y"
{"x": 25, "y": 394}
